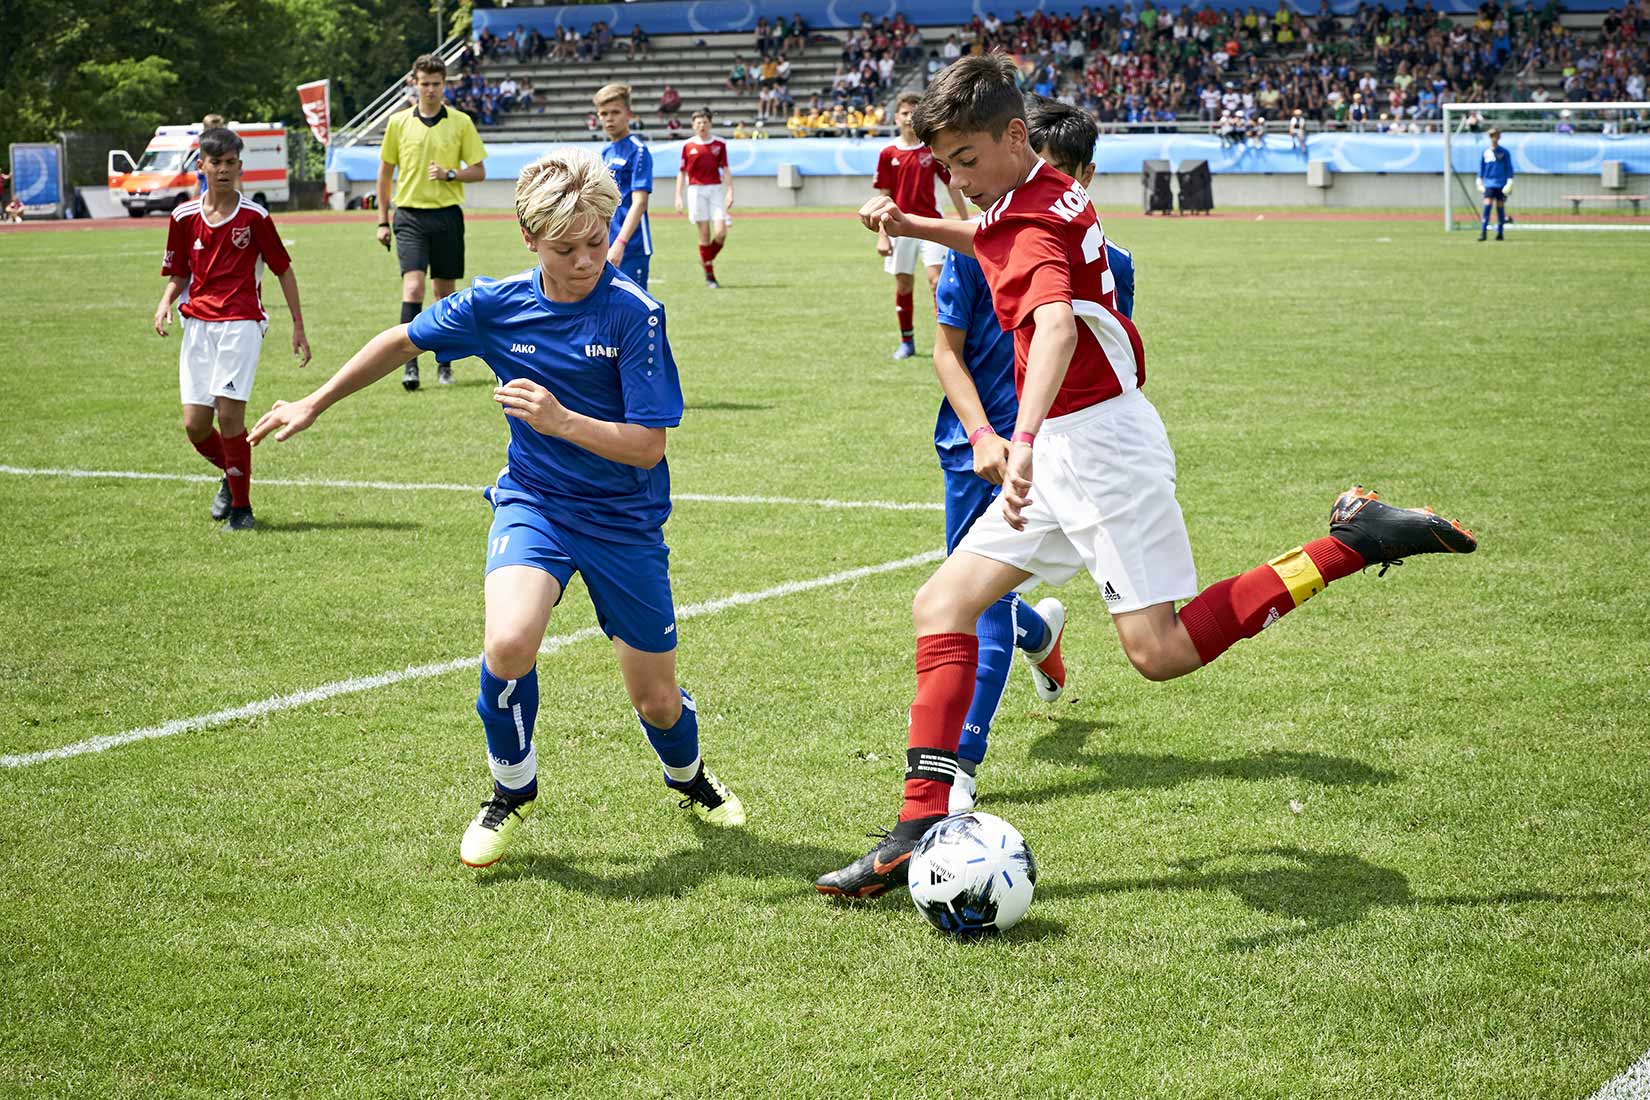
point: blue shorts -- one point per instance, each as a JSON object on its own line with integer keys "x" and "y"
{"x": 1494, "y": 193}
{"x": 635, "y": 265}
{"x": 628, "y": 582}
{"x": 967, "y": 496}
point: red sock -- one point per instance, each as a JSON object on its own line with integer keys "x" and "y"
{"x": 237, "y": 453}
{"x": 946, "y": 666}
{"x": 704, "y": 258}
{"x": 904, "y": 308}
{"x": 716, "y": 247}
{"x": 211, "y": 448}
{"x": 1242, "y": 606}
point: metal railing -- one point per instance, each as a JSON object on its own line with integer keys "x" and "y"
{"x": 391, "y": 99}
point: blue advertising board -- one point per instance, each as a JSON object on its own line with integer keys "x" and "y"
{"x": 37, "y": 178}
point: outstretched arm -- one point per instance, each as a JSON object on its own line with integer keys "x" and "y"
{"x": 382, "y": 354}
{"x": 881, "y": 216}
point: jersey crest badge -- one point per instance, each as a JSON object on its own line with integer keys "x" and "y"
{"x": 240, "y": 236}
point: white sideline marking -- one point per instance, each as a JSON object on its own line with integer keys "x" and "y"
{"x": 440, "y": 668}
{"x": 449, "y": 487}
{"x": 1634, "y": 1084}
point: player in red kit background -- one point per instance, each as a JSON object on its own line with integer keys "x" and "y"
{"x": 906, "y": 173}
{"x": 216, "y": 249}
{"x": 709, "y": 197}
{"x": 1102, "y": 497}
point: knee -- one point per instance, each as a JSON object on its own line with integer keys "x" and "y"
{"x": 660, "y": 705}
{"x": 511, "y": 653}
{"x": 1150, "y": 658}
{"x": 938, "y": 609}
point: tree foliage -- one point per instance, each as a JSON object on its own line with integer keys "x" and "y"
{"x": 122, "y": 68}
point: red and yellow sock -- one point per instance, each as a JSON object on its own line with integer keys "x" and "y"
{"x": 1242, "y": 606}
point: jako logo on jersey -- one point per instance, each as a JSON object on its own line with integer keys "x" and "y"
{"x": 523, "y": 349}
{"x": 1072, "y": 203}
{"x": 606, "y": 351}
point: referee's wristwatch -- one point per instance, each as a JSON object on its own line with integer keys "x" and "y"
{"x": 452, "y": 174}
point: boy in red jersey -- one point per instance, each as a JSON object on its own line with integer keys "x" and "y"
{"x": 906, "y": 172}
{"x": 1102, "y": 499}
{"x": 709, "y": 185}
{"x": 216, "y": 249}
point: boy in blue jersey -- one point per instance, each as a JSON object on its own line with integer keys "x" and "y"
{"x": 630, "y": 241}
{"x": 1495, "y": 179}
{"x": 589, "y": 385}
{"x": 974, "y": 359}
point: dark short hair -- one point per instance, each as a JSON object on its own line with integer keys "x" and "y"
{"x": 909, "y": 97}
{"x": 429, "y": 63}
{"x": 220, "y": 141}
{"x": 703, "y": 112}
{"x": 972, "y": 95}
{"x": 1062, "y": 135}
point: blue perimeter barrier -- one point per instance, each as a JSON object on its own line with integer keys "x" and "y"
{"x": 727, "y": 16}
{"x": 1533, "y": 154}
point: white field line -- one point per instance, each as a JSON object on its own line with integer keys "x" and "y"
{"x": 449, "y": 487}
{"x": 440, "y": 668}
{"x": 1634, "y": 1084}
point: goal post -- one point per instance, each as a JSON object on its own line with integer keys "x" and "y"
{"x": 1575, "y": 165}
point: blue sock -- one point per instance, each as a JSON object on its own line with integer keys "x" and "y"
{"x": 508, "y": 709}
{"x": 1500, "y": 220}
{"x": 996, "y": 631}
{"x": 1484, "y": 224}
{"x": 1030, "y": 631}
{"x": 678, "y": 746}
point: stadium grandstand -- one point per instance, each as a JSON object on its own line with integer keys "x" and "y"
{"x": 1214, "y": 67}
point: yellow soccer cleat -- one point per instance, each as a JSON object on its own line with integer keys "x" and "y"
{"x": 488, "y": 836}
{"x": 710, "y": 798}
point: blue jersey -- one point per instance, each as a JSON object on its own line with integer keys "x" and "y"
{"x": 605, "y": 356}
{"x": 963, "y": 301}
{"x": 631, "y": 166}
{"x": 1495, "y": 168}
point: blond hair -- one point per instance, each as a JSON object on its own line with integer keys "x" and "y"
{"x": 563, "y": 190}
{"x": 609, "y": 92}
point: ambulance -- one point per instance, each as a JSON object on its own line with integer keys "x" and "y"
{"x": 165, "y": 176}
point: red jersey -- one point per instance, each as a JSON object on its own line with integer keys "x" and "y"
{"x": 908, "y": 174}
{"x": 224, "y": 263}
{"x": 703, "y": 163}
{"x": 1042, "y": 243}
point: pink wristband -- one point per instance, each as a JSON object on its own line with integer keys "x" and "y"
{"x": 1028, "y": 438}
{"x": 984, "y": 429}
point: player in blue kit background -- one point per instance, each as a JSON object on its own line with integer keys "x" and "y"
{"x": 589, "y": 385}
{"x": 630, "y": 240}
{"x": 974, "y": 359}
{"x": 1495, "y": 178}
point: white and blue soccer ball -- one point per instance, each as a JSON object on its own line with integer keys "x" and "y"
{"x": 972, "y": 873}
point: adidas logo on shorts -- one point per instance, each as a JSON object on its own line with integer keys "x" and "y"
{"x": 1111, "y": 594}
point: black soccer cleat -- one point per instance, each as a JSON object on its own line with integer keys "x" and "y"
{"x": 409, "y": 376}
{"x": 1384, "y": 535}
{"x": 882, "y": 868}
{"x": 240, "y": 519}
{"x": 221, "y": 502}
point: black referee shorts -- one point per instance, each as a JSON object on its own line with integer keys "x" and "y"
{"x": 430, "y": 240}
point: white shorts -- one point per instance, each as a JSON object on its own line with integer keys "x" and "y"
{"x": 218, "y": 359}
{"x": 705, "y": 203}
{"x": 1102, "y": 499}
{"x": 904, "y": 258}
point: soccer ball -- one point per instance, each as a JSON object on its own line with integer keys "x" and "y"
{"x": 972, "y": 873}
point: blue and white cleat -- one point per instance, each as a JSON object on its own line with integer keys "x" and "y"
{"x": 905, "y": 350}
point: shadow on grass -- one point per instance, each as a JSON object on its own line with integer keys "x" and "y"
{"x": 1313, "y": 891}
{"x": 1117, "y": 771}
{"x": 292, "y": 527}
{"x": 720, "y": 852}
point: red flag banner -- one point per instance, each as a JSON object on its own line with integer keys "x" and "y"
{"x": 317, "y": 103}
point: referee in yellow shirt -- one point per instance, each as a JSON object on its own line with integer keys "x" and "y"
{"x": 430, "y": 152}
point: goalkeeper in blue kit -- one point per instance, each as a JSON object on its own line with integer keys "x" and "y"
{"x": 1495, "y": 179}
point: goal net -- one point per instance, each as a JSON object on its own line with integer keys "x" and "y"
{"x": 1575, "y": 165}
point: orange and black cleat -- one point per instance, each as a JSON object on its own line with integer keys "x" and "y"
{"x": 882, "y": 868}
{"x": 1384, "y": 535}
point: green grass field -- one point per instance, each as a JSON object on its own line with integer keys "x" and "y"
{"x": 1396, "y": 847}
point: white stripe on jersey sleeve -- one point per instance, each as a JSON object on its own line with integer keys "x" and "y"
{"x": 625, "y": 284}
